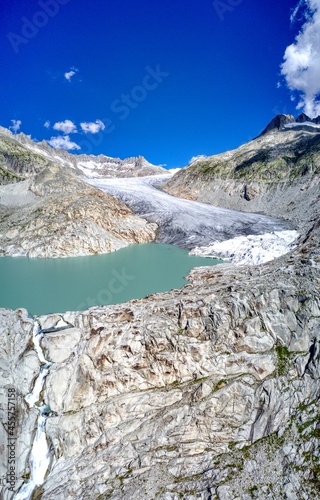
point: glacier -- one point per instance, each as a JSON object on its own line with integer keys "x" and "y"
{"x": 182, "y": 222}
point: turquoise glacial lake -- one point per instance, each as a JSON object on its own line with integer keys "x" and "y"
{"x": 44, "y": 286}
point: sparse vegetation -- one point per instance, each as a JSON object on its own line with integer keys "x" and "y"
{"x": 283, "y": 359}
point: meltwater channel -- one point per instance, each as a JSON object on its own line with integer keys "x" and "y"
{"x": 44, "y": 286}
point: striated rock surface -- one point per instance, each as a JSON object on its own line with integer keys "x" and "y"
{"x": 19, "y": 367}
{"x": 211, "y": 391}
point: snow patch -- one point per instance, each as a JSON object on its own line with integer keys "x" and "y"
{"x": 301, "y": 124}
{"x": 251, "y": 250}
{"x": 88, "y": 168}
{"x": 174, "y": 170}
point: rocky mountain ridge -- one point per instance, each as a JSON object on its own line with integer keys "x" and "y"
{"x": 280, "y": 122}
{"x": 269, "y": 175}
{"x": 21, "y": 157}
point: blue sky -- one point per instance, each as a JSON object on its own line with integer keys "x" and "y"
{"x": 167, "y": 79}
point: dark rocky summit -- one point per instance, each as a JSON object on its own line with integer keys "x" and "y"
{"x": 278, "y": 122}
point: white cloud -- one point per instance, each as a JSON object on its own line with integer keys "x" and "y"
{"x": 46, "y": 124}
{"x": 69, "y": 74}
{"x": 16, "y": 124}
{"x": 67, "y": 127}
{"x": 195, "y": 158}
{"x": 301, "y": 66}
{"x": 294, "y": 14}
{"x": 92, "y": 127}
{"x": 63, "y": 142}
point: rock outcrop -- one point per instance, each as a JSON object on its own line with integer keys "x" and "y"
{"x": 55, "y": 214}
{"x": 280, "y": 122}
{"x": 17, "y": 162}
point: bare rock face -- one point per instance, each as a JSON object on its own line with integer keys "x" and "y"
{"x": 19, "y": 366}
{"x": 279, "y": 122}
{"x": 17, "y": 162}
{"x": 56, "y": 215}
{"x": 206, "y": 392}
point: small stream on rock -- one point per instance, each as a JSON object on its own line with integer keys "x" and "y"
{"x": 40, "y": 455}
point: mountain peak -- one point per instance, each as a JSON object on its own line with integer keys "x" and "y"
{"x": 303, "y": 118}
{"x": 278, "y": 122}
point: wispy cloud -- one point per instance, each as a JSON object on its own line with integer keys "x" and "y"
{"x": 67, "y": 127}
{"x": 92, "y": 127}
{"x": 46, "y": 124}
{"x": 301, "y": 66}
{"x": 63, "y": 142}
{"x": 294, "y": 14}
{"x": 16, "y": 124}
{"x": 69, "y": 74}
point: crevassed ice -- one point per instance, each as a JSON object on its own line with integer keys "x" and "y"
{"x": 254, "y": 249}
